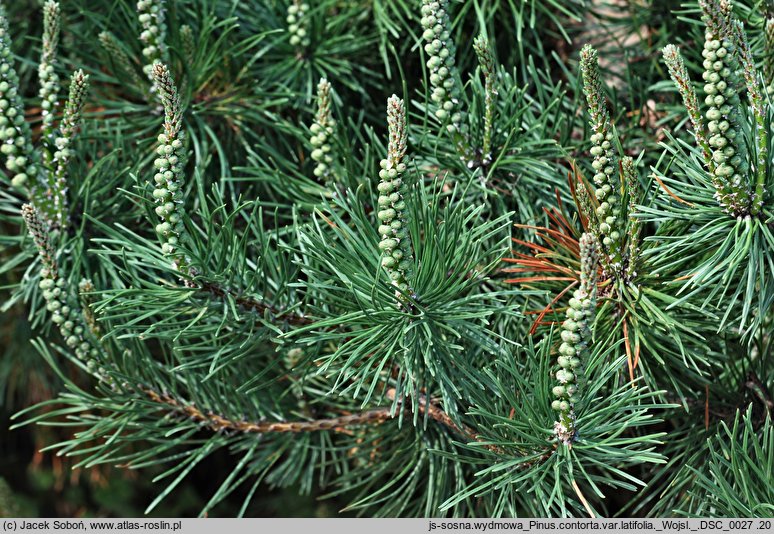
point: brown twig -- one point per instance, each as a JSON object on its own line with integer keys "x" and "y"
{"x": 379, "y": 415}
{"x": 250, "y": 303}
{"x": 219, "y": 423}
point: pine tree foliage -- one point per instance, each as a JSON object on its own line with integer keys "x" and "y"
{"x": 366, "y": 259}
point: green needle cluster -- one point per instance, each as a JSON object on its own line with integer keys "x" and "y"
{"x": 15, "y": 139}
{"x": 441, "y": 63}
{"x": 169, "y": 165}
{"x": 576, "y": 337}
{"x": 395, "y": 244}
{"x": 323, "y": 129}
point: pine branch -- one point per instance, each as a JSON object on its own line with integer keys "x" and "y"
{"x": 219, "y": 423}
{"x": 374, "y": 416}
{"x": 261, "y": 308}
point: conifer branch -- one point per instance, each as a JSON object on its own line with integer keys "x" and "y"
{"x": 261, "y": 308}
{"x": 373, "y": 416}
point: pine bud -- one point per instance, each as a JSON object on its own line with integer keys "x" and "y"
{"x": 605, "y": 161}
{"x": 68, "y": 127}
{"x": 49, "y": 80}
{"x": 576, "y": 337}
{"x": 397, "y": 256}
{"x": 487, "y": 65}
{"x": 719, "y": 68}
{"x": 115, "y": 53}
{"x": 323, "y": 129}
{"x": 444, "y": 77}
{"x": 172, "y": 213}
